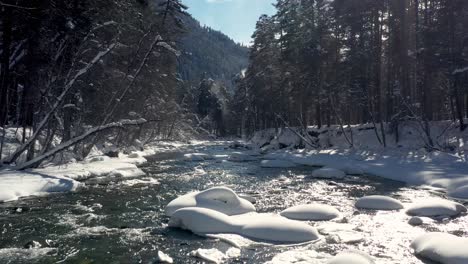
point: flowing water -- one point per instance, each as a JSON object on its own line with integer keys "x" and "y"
{"x": 124, "y": 221}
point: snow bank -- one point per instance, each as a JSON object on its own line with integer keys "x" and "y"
{"x": 277, "y": 164}
{"x": 220, "y": 199}
{"x": 197, "y": 157}
{"x": 351, "y": 257}
{"x": 378, "y": 202}
{"x": 313, "y": 212}
{"x": 328, "y": 173}
{"x": 442, "y": 248}
{"x": 14, "y": 184}
{"x": 436, "y": 207}
{"x": 406, "y": 160}
{"x": 254, "y": 226}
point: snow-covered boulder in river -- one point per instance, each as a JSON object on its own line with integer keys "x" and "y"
{"x": 277, "y": 164}
{"x": 197, "y": 157}
{"x": 442, "y": 248}
{"x": 255, "y": 226}
{"x": 436, "y": 207}
{"x": 378, "y": 202}
{"x": 202, "y": 221}
{"x": 312, "y": 212}
{"x": 279, "y": 229}
{"x": 220, "y": 199}
{"x": 328, "y": 173}
{"x": 351, "y": 257}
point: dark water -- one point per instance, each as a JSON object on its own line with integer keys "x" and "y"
{"x": 118, "y": 223}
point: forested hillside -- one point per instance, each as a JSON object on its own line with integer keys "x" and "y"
{"x": 207, "y": 53}
{"x": 320, "y": 62}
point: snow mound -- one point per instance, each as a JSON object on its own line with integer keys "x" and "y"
{"x": 202, "y": 221}
{"x": 240, "y": 157}
{"x": 164, "y": 258}
{"x": 254, "y": 226}
{"x": 220, "y": 199}
{"x": 351, "y": 257}
{"x": 197, "y": 157}
{"x": 313, "y": 212}
{"x": 277, "y": 164}
{"x": 442, "y": 248}
{"x": 328, "y": 173}
{"x": 436, "y": 207}
{"x": 279, "y": 229}
{"x": 378, "y": 202}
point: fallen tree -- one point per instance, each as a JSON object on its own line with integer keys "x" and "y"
{"x": 120, "y": 124}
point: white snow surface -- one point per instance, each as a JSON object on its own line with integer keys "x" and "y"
{"x": 16, "y": 184}
{"x": 164, "y": 258}
{"x": 197, "y": 157}
{"x": 221, "y": 199}
{"x": 313, "y": 212}
{"x": 328, "y": 173}
{"x": 351, "y": 257}
{"x": 436, "y": 207}
{"x": 378, "y": 202}
{"x": 277, "y": 164}
{"x": 442, "y": 248}
{"x": 264, "y": 227}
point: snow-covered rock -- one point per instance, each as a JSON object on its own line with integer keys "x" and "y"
{"x": 378, "y": 202}
{"x": 221, "y": 199}
{"x": 240, "y": 157}
{"x": 442, "y": 248}
{"x": 164, "y": 258}
{"x": 134, "y": 155}
{"x": 277, "y": 164}
{"x": 328, "y": 173}
{"x": 436, "y": 207}
{"x": 202, "y": 221}
{"x": 197, "y": 157}
{"x": 351, "y": 257}
{"x": 253, "y": 226}
{"x": 351, "y": 169}
{"x": 278, "y": 229}
{"x": 313, "y": 212}
{"x": 416, "y": 221}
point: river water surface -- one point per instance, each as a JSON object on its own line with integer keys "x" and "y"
{"x": 123, "y": 221}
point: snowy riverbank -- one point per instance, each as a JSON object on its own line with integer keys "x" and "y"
{"x": 407, "y": 161}
{"x": 69, "y": 177}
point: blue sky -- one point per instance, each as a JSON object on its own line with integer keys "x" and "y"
{"x": 235, "y": 18}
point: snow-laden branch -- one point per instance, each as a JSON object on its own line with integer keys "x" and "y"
{"x": 78, "y": 139}
{"x": 59, "y": 101}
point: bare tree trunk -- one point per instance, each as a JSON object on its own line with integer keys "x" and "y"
{"x": 36, "y": 161}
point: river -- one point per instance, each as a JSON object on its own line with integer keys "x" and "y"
{"x": 123, "y": 221}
